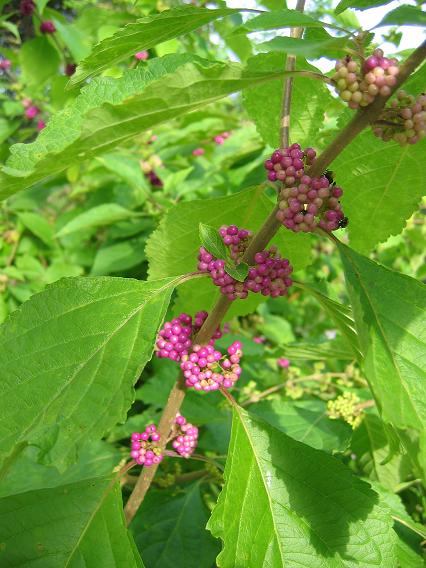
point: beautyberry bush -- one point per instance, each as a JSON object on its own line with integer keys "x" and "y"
{"x": 212, "y": 297}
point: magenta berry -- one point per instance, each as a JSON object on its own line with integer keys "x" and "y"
{"x": 141, "y": 55}
{"x": 198, "y": 152}
{"x": 31, "y": 112}
{"x": 5, "y": 64}
{"x": 206, "y": 368}
{"x": 404, "y": 121}
{"x": 186, "y": 438}
{"x": 26, "y": 7}
{"x": 144, "y": 448}
{"x": 283, "y": 363}
{"x": 358, "y": 85}
{"x": 41, "y": 124}
{"x": 70, "y": 69}
{"x": 47, "y": 27}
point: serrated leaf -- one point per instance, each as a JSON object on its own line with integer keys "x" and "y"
{"x": 169, "y": 530}
{"x": 307, "y": 422}
{"x": 73, "y": 353}
{"x": 278, "y": 19}
{"x": 80, "y": 524}
{"x": 144, "y": 34}
{"x": 110, "y": 111}
{"x": 308, "y": 48}
{"x": 263, "y": 104}
{"x": 382, "y": 183}
{"x": 211, "y": 241}
{"x": 404, "y": 16}
{"x": 286, "y": 504}
{"x": 238, "y": 272}
{"x": 322, "y": 351}
{"x": 389, "y": 310}
{"x": 98, "y": 216}
{"x": 341, "y": 315}
{"x": 174, "y": 245}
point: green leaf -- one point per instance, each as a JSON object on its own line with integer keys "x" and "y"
{"x": 238, "y": 272}
{"x": 38, "y": 225}
{"x": 321, "y": 351}
{"x": 38, "y": 60}
{"x": 169, "y": 530}
{"x": 263, "y": 104}
{"x": 310, "y": 49}
{"x": 279, "y": 19}
{"x": 307, "y": 422}
{"x": 144, "y": 34}
{"x": 73, "y": 352}
{"x": 74, "y": 525}
{"x": 173, "y": 248}
{"x": 212, "y": 241}
{"x": 404, "y": 16}
{"x": 99, "y": 216}
{"x": 370, "y": 443}
{"x": 389, "y": 310}
{"x": 359, "y": 4}
{"x": 286, "y": 504}
{"x": 375, "y": 176}
{"x": 341, "y": 315}
{"x": 119, "y": 256}
{"x": 110, "y": 111}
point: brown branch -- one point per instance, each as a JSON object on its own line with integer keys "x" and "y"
{"x": 257, "y": 244}
{"x": 290, "y": 65}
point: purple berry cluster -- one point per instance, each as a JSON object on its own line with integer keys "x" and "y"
{"x": 269, "y": 276}
{"x": 175, "y": 338}
{"x": 220, "y": 138}
{"x": 206, "y": 368}
{"x": 186, "y": 437}
{"x": 26, "y": 7}
{"x": 304, "y": 202}
{"x": 144, "y": 446}
{"x": 404, "y": 121}
{"x": 5, "y": 64}
{"x": 47, "y": 27}
{"x": 358, "y": 85}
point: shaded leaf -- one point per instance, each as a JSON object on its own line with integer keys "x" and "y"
{"x": 286, "y": 504}
{"x": 238, "y": 272}
{"x": 99, "y": 216}
{"x": 211, "y": 241}
{"x": 74, "y": 525}
{"x": 306, "y": 47}
{"x": 404, "y": 16}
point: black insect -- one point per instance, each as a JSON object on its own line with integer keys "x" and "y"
{"x": 343, "y": 223}
{"x": 330, "y": 176}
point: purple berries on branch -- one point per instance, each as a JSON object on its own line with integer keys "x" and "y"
{"x": 359, "y": 84}
{"x": 305, "y": 203}
{"x": 186, "y": 438}
{"x": 144, "y": 446}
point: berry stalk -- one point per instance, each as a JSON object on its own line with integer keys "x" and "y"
{"x": 258, "y": 243}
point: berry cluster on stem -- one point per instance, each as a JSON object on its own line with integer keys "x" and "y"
{"x": 305, "y": 202}
{"x": 404, "y": 121}
{"x": 360, "y": 83}
{"x": 186, "y": 438}
{"x": 144, "y": 446}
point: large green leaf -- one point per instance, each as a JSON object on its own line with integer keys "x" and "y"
{"x": 278, "y": 19}
{"x": 38, "y": 60}
{"x": 404, "y": 16}
{"x": 389, "y": 310}
{"x": 69, "y": 358}
{"x": 144, "y": 34}
{"x": 170, "y": 530}
{"x": 306, "y": 421}
{"x": 74, "y": 525}
{"x": 286, "y": 504}
{"x": 263, "y": 104}
{"x": 383, "y": 184}
{"x": 110, "y": 111}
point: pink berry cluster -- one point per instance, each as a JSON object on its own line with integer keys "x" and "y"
{"x": 186, "y": 437}
{"x": 304, "y": 202}
{"x": 5, "y": 64}
{"x": 206, "y": 368}
{"x": 26, "y": 7}
{"x": 269, "y": 276}
{"x": 175, "y": 338}
{"x": 144, "y": 446}
{"x": 358, "y": 85}
{"x": 220, "y": 138}
{"x": 141, "y": 55}
{"x": 404, "y": 121}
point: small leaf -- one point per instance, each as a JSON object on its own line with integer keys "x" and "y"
{"x": 359, "y": 4}
{"x": 99, "y": 216}
{"x": 277, "y": 19}
{"x": 212, "y": 241}
{"x": 404, "y": 16}
{"x": 238, "y": 272}
{"x": 308, "y": 48}
{"x": 74, "y": 525}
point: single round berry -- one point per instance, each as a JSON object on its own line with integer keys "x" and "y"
{"x": 47, "y": 27}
